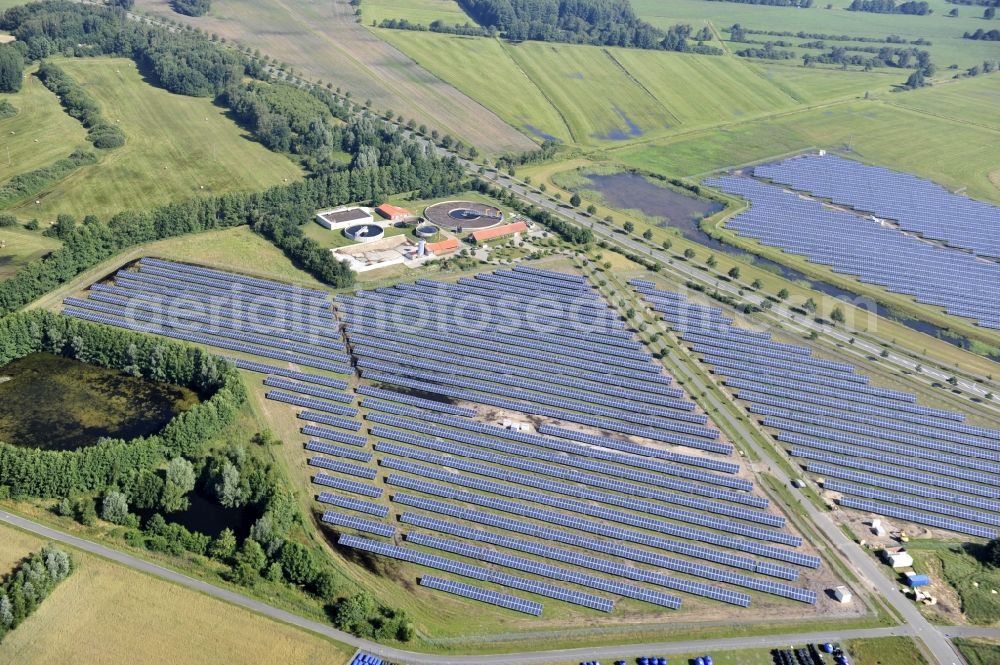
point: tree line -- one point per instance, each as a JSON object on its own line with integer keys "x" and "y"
{"x": 51, "y": 473}
{"x": 80, "y": 105}
{"x": 191, "y": 7}
{"x": 903, "y": 58}
{"x": 384, "y": 161}
{"x": 181, "y": 62}
{"x": 29, "y": 183}
{"x": 890, "y": 7}
{"x": 985, "y": 35}
{"x": 804, "y": 4}
{"x": 600, "y": 22}
{"x": 889, "y": 39}
{"x": 11, "y": 68}
{"x": 23, "y": 590}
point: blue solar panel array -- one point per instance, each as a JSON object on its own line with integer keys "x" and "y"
{"x": 544, "y": 570}
{"x": 903, "y": 460}
{"x": 874, "y": 251}
{"x": 351, "y": 503}
{"x": 617, "y": 534}
{"x": 477, "y": 572}
{"x": 606, "y": 547}
{"x": 412, "y": 401}
{"x": 347, "y": 485}
{"x": 368, "y": 526}
{"x": 484, "y": 595}
{"x": 310, "y": 403}
{"x": 528, "y": 480}
{"x": 333, "y": 435}
{"x": 920, "y": 206}
{"x": 607, "y": 515}
{"x": 278, "y": 382}
{"x": 338, "y": 451}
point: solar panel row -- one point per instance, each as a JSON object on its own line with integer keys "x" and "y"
{"x": 484, "y": 595}
{"x": 477, "y": 572}
{"x": 616, "y": 534}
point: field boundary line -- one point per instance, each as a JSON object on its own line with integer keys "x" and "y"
{"x": 939, "y": 116}
{"x": 640, "y": 85}
{"x": 541, "y": 91}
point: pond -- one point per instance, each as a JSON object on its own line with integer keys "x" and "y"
{"x": 631, "y": 191}
{"x": 55, "y": 403}
{"x": 206, "y": 515}
{"x": 684, "y": 212}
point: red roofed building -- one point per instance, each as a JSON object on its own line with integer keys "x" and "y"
{"x": 499, "y": 232}
{"x": 443, "y": 247}
{"x": 393, "y": 213}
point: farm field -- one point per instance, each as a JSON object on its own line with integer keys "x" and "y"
{"x": 39, "y": 134}
{"x": 490, "y": 76}
{"x": 325, "y": 41}
{"x": 21, "y": 247}
{"x": 973, "y": 101}
{"x": 109, "y": 614}
{"x": 945, "y": 33}
{"x": 547, "y": 89}
{"x": 423, "y": 12}
{"x": 176, "y": 147}
{"x": 951, "y": 153}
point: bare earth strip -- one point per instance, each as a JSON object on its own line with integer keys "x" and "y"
{"x": 322, "y": 40}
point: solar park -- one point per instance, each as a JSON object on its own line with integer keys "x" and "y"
{"x": 504, "y": 435}
{"x": 891, "y": 229}
{"x": 876, "y": 450}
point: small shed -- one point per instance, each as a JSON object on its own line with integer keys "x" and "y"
{"x": 917, "y": 579}
{"x": 899, "y": 559}
{"x": 842, "y": 594}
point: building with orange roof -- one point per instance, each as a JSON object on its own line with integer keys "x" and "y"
{"x": 393, "y": 213}
{"x": 499, "y": 232}
{"x": 442, "y": 247}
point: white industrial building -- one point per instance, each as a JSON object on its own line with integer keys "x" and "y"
{"x": 339, "y": 218}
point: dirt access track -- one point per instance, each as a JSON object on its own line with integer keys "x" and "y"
{"x": 322, "y": 40}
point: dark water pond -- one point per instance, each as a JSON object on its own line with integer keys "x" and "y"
{"x": 206, "y": 515}
{"x": 55, "y": 403}
{"x": 684, "y": 212}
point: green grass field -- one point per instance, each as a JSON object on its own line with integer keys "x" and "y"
{"x": 951, "y": 153}
{"x": 549, "y": 89}
{"x": 423, "y": 12}
{"x": 945, "y": 33}
{"x": 39, "y": 134}
{"x": 972, "y": 581}
{"x": 488, "y": 75}
{"x": 20, "y": 247}
{"x": 973, "y": 100}
{"x": 979, "y": 652}
{"x": 177, "y": 147}
{"x": 325, "y": 41}
{"x": 109, "y": 614}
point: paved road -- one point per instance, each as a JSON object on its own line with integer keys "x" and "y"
{"x": 412, "y": 658}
